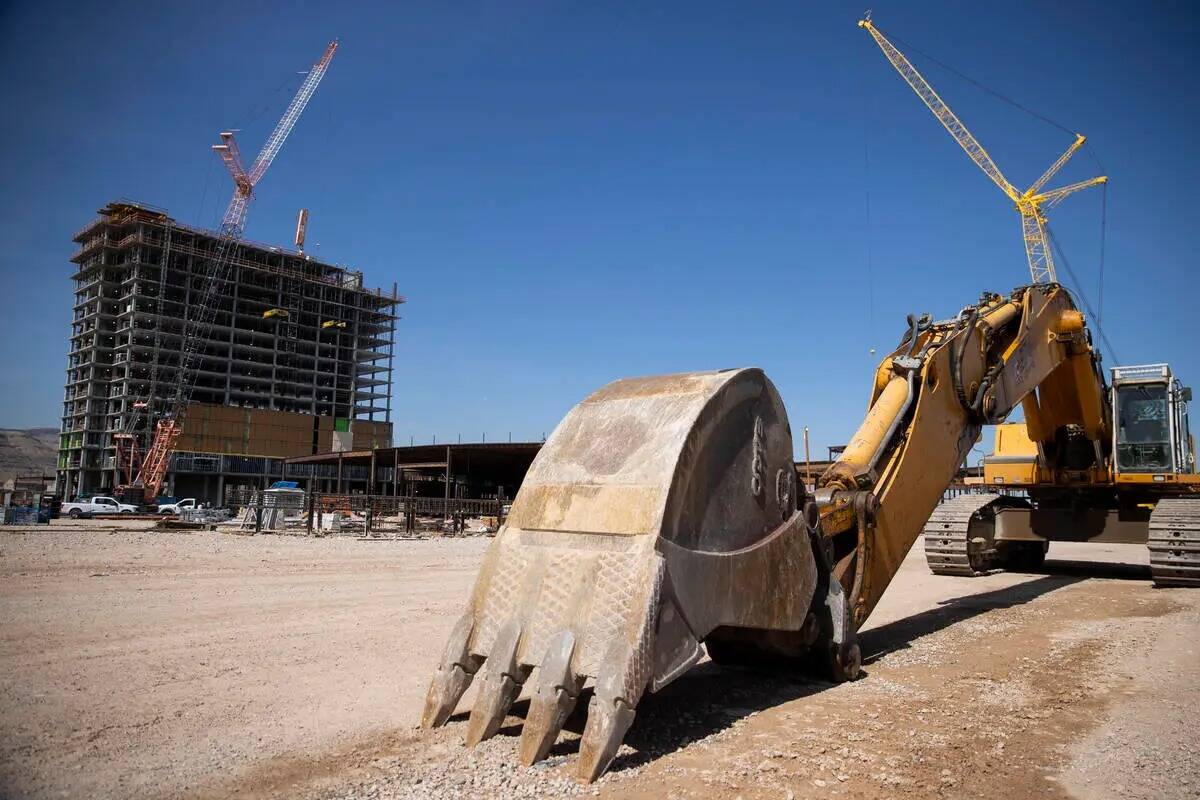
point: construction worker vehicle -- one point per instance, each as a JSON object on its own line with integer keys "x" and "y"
{"x": 90, "y": 506}
{"x": 664, "y": 514}
{"x": 170, "y": 505}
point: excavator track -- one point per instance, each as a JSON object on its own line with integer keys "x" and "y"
{"x": 948, "y": 548}
{"x": 1174, "y": 542}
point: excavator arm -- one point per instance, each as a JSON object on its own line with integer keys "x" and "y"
{"x": 664, "y": 514}
{"x": 931, "y": 397}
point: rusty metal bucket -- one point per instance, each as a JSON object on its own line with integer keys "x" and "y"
{"x": 662, "y": 511}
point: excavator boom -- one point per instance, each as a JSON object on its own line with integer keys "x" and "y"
{"x": 932, "y": 396}
{"x": 664, "y": 513}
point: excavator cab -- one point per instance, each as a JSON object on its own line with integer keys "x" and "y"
{"x": 1146, "y": 490}
{"x": 1150, "y": 411}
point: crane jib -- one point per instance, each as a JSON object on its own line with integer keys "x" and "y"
{"x": 153, "y": 470}
{"x": 1031, "y": 203}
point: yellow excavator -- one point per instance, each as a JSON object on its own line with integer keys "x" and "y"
{"x": 1092, "y": 480}
{"x": 663, "y": 519}
{"x": 663, "y": 513}
{"x": 1131, "y": 485}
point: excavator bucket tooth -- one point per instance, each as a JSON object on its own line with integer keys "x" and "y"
{"x": 453, "y": 676}
{"x": 611, "y": 710}
{"x": 553, "y": 700}
{"x": 661, "y": 510}
{"x": 501, "y": 684}
{"x": 608, "y": 720}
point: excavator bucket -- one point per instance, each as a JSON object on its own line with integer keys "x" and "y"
{"x": 661, "y": 512}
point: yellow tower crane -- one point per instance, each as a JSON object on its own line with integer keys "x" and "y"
{"x": 1032, "y": 203}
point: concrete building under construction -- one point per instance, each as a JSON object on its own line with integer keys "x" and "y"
{"x": 297, "y": 360}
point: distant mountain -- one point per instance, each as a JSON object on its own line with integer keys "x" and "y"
{"x": 28, "y": 452}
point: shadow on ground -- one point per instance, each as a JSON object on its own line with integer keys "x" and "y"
{"x": 710, "y": 697}
{"x": 900, "y": 634}
{"x": 705, "y": 701}
{"x": 1109, "y": 570}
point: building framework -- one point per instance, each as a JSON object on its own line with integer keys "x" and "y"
{"x": 464, "y": 471}
{"x": 291, "y": 335}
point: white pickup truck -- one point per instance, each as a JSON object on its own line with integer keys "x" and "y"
{"x": 175, "y": 506}
{"x": 96, "y": 505}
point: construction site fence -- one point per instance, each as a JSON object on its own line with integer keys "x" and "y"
{"x": 384, "y": 505}
{"x": 24, "y": 515}
{"x": 365, "y": 514}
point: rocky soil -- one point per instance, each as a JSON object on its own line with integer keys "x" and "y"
{"x": 149, "y": 664}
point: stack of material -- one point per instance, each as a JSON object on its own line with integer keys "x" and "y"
{"x": 204, "y": 516}
{"x": 477, "y": 526}
{"x": 270, "y": 509}
{"x": 194, "y": 519}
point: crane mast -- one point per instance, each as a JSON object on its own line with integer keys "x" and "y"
{"x": 153, "y": 470}
{"x": 1031, "y": 203}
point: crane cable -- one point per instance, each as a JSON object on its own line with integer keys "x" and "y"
{"x": 200, "y": 218}
{"x": 1054, "y": 242}
{"x": 870, "y": 254}
{"x": 1103, "y": 231}
{"x": 977, "y": 84}
{"x": 867, "y": 126}
{"x": 1062, "y": 258}
{"x": 998, "y": 95}
{"x": 1103, "y": 247}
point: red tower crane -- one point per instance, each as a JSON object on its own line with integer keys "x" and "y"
{"x": 153, "y": 469}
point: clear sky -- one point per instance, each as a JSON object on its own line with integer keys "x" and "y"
{"x": 574, "y": 192}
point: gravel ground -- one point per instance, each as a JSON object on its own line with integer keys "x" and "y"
{"x": 205, "y": 665}
{"x": 155, "y": 663}
{"x": 1145, "y": 746}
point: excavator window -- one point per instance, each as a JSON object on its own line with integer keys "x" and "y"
{"x": 1144, "y": 432}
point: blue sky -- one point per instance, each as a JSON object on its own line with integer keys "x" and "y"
{"x": 573, "y": 192}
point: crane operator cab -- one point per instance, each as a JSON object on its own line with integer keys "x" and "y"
{"x": 1150, "y": 414}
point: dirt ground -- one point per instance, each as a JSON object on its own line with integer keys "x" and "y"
{"x": 143, "y": 664}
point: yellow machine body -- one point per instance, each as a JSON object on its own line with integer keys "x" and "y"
{"x": 662, "y": 519}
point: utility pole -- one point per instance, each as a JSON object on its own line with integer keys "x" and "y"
{"x": 807, "y": 461}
